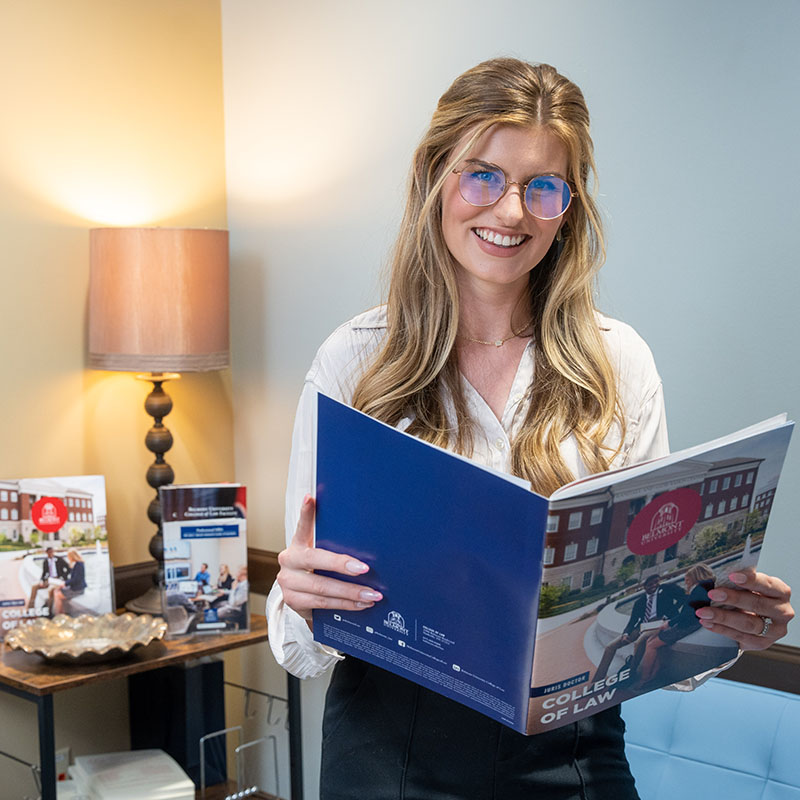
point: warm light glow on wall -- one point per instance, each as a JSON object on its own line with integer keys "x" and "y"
{"x": 115, "y": 122}
{"x": 298, "y": 159}
{"x": 104, "y": 176}
{"x": 296, "y": 127}
{"x": 88, "y": 190}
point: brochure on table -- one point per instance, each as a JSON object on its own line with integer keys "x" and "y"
{"x": 205, "y": 558}
{"x": 53, "y": 549}
{"x": 131, "y": 775}
{"x": 514, "y": 604}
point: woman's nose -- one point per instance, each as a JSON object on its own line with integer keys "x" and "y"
{"x": 510, "y": 208}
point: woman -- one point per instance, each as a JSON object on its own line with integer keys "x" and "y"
{"x": 491, "y": 285}
{"x": 75, "y": 582}
{"x": 225, "y": 579}
{"x": 699, "y": 581}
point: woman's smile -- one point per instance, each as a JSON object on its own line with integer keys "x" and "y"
{"x": 495, "y": 237}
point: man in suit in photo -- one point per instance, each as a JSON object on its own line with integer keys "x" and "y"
{"x": 656, "y": 603}
{"x": 53, "y": 567}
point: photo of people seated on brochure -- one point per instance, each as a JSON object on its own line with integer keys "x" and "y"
{"x": 53, "y": 549}
{"x": 660, "y": 617}
{"x": 206, "y": 603}
{"x": 650, "y": 638}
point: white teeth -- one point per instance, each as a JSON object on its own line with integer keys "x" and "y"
{"x": 498, "y": 238}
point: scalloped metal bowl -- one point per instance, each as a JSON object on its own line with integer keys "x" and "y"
{"x": 87, "y": 639}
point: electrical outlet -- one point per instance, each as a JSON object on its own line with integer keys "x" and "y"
{"x": 62, "y": 763}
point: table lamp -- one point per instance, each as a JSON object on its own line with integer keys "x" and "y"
{"x": 158, "y": 304}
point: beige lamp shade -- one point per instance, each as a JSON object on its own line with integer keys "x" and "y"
{"x": 158, "y": 299}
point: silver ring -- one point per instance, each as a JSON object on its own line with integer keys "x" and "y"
{"x": 767, "y": 624}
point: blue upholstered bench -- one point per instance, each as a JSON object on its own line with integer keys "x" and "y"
{"x": 724, "y": 741}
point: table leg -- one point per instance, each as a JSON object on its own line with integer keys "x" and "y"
{"x": 47, "y": 746}
{"x": 295, "y": 737}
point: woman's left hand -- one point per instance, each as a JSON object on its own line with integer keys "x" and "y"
{"x": 756, "y": 613}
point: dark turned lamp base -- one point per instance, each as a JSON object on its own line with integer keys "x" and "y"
{"x": 151, "y": 602}
{"x": 158, "y": 441}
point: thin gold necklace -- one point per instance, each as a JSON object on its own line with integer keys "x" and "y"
{"x": 499, "y": 342}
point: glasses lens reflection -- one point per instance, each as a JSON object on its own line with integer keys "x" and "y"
{"x": 481, "y": 187}
{"x": 546, "y": 196}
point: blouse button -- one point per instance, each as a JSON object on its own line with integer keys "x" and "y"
{"x": 500, "y": 444}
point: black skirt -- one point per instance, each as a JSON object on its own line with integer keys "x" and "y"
{"x": 385, "y": 738}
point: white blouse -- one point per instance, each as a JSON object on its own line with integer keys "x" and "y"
{"x": 335, "y": 371}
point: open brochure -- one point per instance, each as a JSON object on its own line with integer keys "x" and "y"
{"x": 532, "y": 610}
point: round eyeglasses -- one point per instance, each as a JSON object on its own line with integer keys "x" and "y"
{"x": 546, "y": 196}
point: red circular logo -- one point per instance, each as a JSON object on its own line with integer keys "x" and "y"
{"x": 49, "y": 514}
{"x": 664, "y": 521}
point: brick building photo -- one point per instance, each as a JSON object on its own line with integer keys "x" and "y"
{"x": 586, "y": 543}
{"x": 17, "y": 498}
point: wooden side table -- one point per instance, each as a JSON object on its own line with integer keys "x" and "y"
{"x": 33, "y": 679}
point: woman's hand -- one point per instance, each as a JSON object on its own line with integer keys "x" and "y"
{"x": 303, "y": 590}
{"x": 757, "y": 612}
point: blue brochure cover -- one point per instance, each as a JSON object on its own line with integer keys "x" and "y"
{"x": 459, "y": 609}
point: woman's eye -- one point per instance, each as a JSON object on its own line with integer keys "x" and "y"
{"x": 544, "y": 184}
{"x": 484, "y": 176}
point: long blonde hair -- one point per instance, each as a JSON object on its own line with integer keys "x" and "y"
{"x": 416, "y": 369}
{"x": 699, "y": 572}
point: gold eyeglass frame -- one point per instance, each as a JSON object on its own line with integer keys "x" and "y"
{"x": 523, "y": 190}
